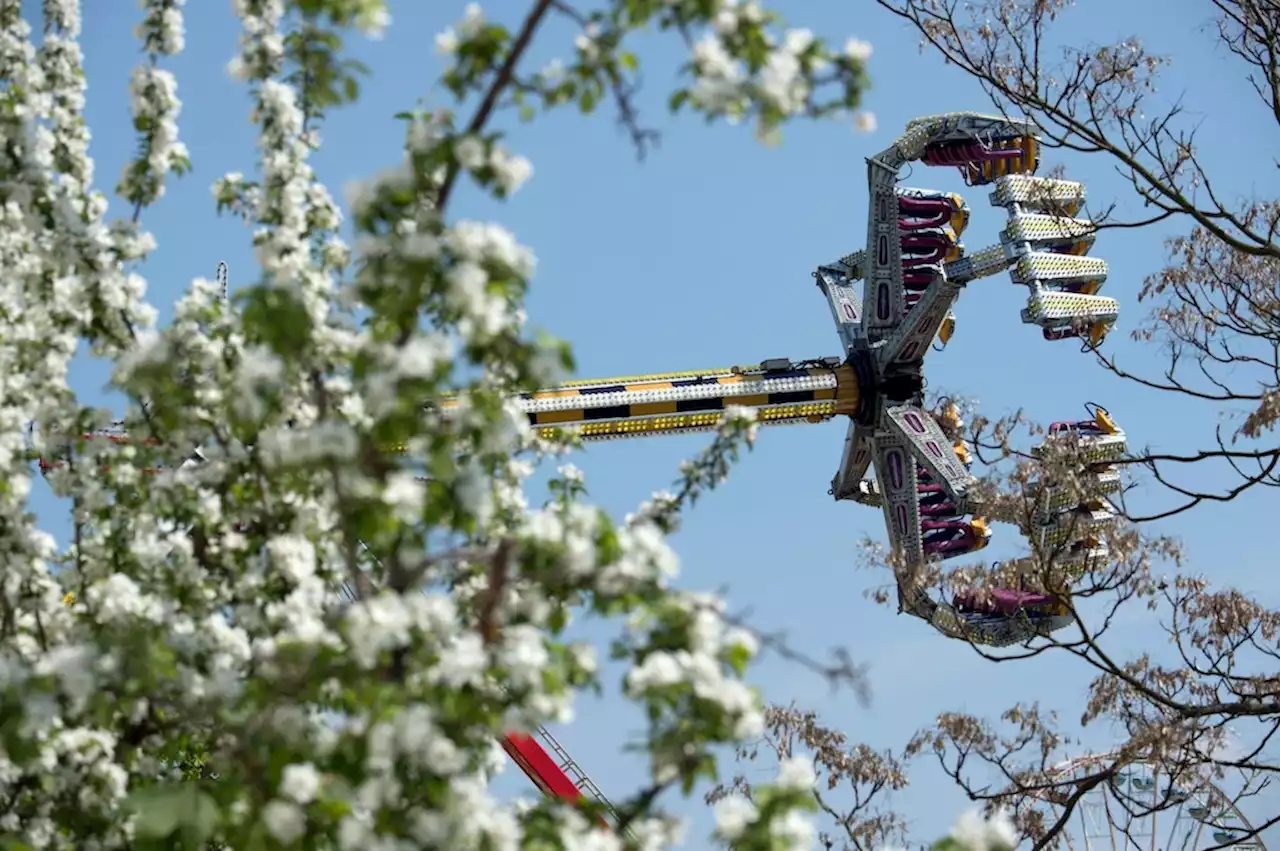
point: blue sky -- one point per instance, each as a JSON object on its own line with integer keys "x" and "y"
{"x": 701, "y": 257}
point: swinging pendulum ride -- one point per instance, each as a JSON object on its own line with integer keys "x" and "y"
{"x": 912, "y": 270}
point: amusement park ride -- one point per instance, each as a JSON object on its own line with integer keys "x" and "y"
{"x": 1143, "y": 808}
{"x": 913, "y": 270}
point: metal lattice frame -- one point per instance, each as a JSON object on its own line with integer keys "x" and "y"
{"x": 1153, "y": 815}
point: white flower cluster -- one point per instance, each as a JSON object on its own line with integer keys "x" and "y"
{"x": 64, "y": 283}
{"x": 659, "y": 504}
{"x": 734, "y": 814}
{"x": 469, "y": 250}
{"x": 974, "y": 833}
{"x": 700, "y": 665}
{"x": 162, "y": 31}
{"x": 724, "y": 86}
{"x": 738, "y": 416}
{"x": 643, "y": 555}
{"x": 469, "y": 27}
{"x": 586, "y": 42}
{"x": 261, "y": 41}
{"x": 720, "y": 88}
{"x": 860, "y": 51}
{"x": 510, "y": 171}
{"x": 155, "y": 106}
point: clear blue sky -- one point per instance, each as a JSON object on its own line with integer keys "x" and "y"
{"x": 701, "y": 257}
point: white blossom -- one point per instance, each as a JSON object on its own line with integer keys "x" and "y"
{"x": 586, "y": 42}
{"x": 857, "y": 50}
{"x": 975, "y": 833}
{"x": 472, "y": 20}
{"x": 733, "y": 814}
{"x": 405, "y": 495}
{"x": 300, "y": 783}
{"x": 447, "y": 42}
{"x": 552, "y": 73}
{"x": 286, "y": 822}
{"x": 373, "y": 19}
{"x": 470, "y": 152}
{"x": 795, "y": 830}
{"x": 1001, "y": 832}
{"x": 293, "y": 555}
{"x": 511, "y": 171}
{"x": 796, "y": 773}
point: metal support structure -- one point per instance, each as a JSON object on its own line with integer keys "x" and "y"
{"x": 574, "y": 772}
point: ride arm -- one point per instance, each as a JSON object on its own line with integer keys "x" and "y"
{"x": 983, "y": 147}
{"x": 856, "y": 458}
{"x": 781, "y": 392}
{"x": 1043, "y": 246}
{"x": 980, "y": 264}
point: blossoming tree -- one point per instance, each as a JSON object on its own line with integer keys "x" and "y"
{"x": 172, "y": 676}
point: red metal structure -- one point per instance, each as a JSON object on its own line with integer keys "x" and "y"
{"x": 560, "y": 777}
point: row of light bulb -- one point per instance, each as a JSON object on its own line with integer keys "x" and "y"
{"x": 709, "y": 390}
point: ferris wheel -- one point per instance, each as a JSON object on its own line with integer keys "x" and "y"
{"x": 1141, "y": 810}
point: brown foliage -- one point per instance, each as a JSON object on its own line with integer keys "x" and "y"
{"x": 1200, "y": 702}
{"x": 852, "y": 778}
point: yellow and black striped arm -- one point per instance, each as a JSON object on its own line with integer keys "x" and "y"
{"x": 678, "y": 402}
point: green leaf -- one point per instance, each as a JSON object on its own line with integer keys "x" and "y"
{"x": 164, "y": 809}
{"x": 199, "y": 818}
{"x": 739, "y": 658}
{"x": 628, "y": 60}
{"x": 258, "y": 839}
{"x": 158, "y": 811}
